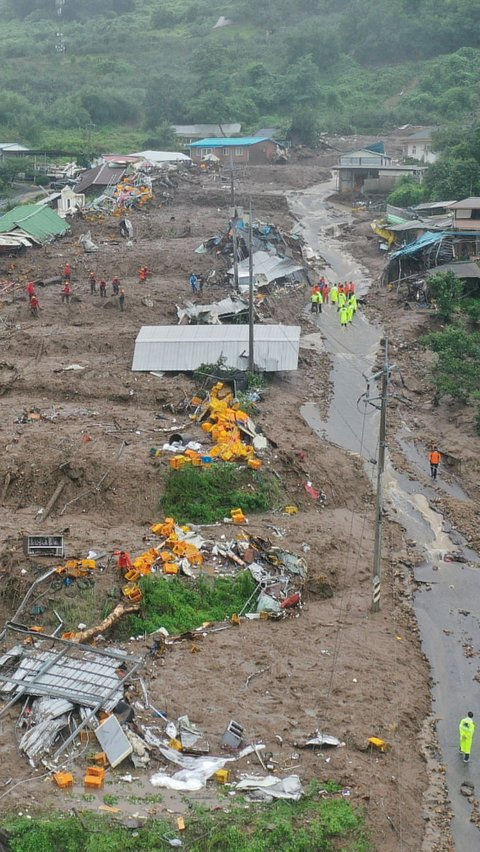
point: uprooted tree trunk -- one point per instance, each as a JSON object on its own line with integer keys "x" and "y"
{"x": 120, "y": 610}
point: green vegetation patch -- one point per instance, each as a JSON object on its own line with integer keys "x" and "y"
{"x": 206, "y": 495}
{"x": 180, "y": 605}
{"x": 311, "y": 825}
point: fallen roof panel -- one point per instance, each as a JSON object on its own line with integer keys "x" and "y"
{"x": 36, "y": 220}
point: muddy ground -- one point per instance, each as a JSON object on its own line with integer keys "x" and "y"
{"x": 335, "y": 666}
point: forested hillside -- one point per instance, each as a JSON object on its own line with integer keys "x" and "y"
{"x": 76, "y": 70}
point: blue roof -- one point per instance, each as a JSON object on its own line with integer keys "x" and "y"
{"x": 229, "y": 142}
{"x": 429, "y": 238}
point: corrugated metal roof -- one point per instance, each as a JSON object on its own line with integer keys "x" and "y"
{"x": 463, "y": 269}
{"x": 100, "y": 176}
{"x": 35, "y": 219}
{"x": 228, "y": 142}
{"x": 180, "y": 348}
{"x": 472, "y": 203}
{"x": 266, "y": 268}
{"x": 207, "y": 129}
{"x": 85, "y": 678}
{"x": 163, "y": 156}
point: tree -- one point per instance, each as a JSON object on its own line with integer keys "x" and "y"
{"x": 163, "y": 138}
{"x": 457, "y": 372}
{"x": 407, "y": 192}
{"x": 446, "y": 290}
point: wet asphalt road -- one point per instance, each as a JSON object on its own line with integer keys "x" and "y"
{"x": 448, "y": 606}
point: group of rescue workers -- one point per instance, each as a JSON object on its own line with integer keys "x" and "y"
{"x": 67, "y": 291}
{"x": 340, "y": 296}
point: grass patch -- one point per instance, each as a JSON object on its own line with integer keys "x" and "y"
{"x": 311, "y": 825}
{"x": 206, "y": 495}
{"x": 180, "y": 605}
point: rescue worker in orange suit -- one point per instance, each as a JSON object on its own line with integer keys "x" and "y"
{"x": 124, "y": 561}
{"x": 434, "y": 459}
{"x": 34, "y": 306}
{"x": 67, "y": 271}
{"x": 30, "y": 290}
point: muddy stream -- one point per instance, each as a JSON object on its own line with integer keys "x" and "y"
{"x": 447, "y": 604}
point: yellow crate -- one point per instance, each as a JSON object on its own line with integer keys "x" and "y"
{"x": 222, "y": 776}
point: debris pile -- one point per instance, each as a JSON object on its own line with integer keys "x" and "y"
{"x": 64, "y": 687}
{"x": 230, "y": 427}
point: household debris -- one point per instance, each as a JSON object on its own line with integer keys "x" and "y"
{"x": 63, "y": 686}
{"x": 232, "y": 308}
{"x": 270, "y": 787}
{"x": 319, "y": 739}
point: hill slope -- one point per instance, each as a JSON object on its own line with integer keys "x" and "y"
{"x": 71, "y": 68}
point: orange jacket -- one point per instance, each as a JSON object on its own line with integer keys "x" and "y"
{"x": 435, "y": 457}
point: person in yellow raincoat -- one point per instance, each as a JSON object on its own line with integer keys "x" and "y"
{"x": 466, "y": 730}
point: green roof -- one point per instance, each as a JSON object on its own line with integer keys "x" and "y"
{"x": 37, "y": 220}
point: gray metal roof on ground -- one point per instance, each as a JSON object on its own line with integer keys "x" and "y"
{"x": 462, "y": 269}
{"x": 267, "y": 268}
{"x": 185, "y": 348}
{"x": 59, "y": 668}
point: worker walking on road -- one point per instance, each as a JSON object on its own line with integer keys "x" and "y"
{"x": 466, "y": 730}
{"x": 434, "y": 459}
{"x": 334, "y": 295}
{"x": 313, "y": 300}
{"x": 343, "y": 316}
{"x": 341, "y": 298}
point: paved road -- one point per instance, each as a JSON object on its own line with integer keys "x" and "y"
{"x": 448, "y": 613}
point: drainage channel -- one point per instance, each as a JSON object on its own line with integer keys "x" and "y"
{"x": 448, "y": 602}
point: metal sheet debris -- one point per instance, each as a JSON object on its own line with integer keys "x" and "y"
{"x": 271, "y": 787}
{"x": 114, "y": 741}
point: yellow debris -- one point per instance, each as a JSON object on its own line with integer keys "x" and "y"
{"x": 378, "y": 743}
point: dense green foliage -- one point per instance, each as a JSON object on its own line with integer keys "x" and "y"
{"x": 311, "y": 825}
{"x": 141, "y": 65}
{"x": 445, "y": 291}
{"x": 206, "y": 495}
{"x": 457, "y": 371}
{"x": 181, "y": 604}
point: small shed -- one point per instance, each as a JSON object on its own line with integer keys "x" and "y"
{"x": 183, "y": 348}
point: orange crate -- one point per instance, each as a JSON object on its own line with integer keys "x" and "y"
{"x": 64, "y": 780}
{"x": 97, "y": 771}
{"x": 170, "y": 568}
{"x": 92, "y": 782}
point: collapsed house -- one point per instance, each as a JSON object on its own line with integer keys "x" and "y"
{"x": 30, "y": 224}
{"x": 432, "y": 249}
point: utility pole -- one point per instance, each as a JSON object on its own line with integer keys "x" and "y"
{"x": 251, "y": 357}
{"x": 234, "y": 227}
{"x": 384, "y": 373}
